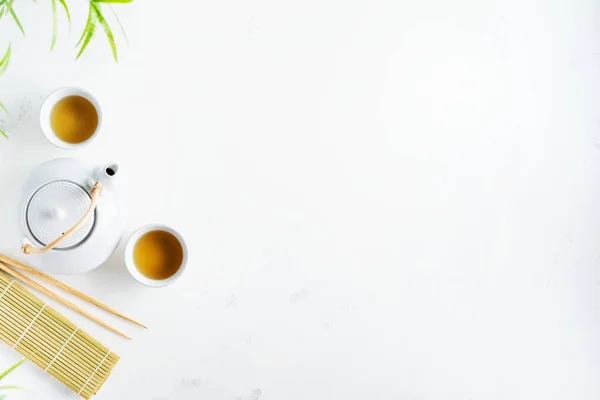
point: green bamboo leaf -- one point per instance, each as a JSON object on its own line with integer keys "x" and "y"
{"x": 4, "y": 61}
{"x": 9, "y": 8}
{"x": 88, "y": 36}
{"x": 12, "y": 13}
{"x": 112, "y": 1}
{"x": 6, "y": 5}
{"x": 12, "y": 387}
{"x": 7, "y": 113}
{"x": 107, "y": 30}
{"x": 88, "y": 26}
{"x": 86, "y": 41}
{"x": 11, "y": 369}
{"x": 54, "y": 24}
{"x": 4, "y": 109}
{"x": 64, "y": 4}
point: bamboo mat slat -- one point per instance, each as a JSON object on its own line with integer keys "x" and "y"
{"x": 51, "y": 341}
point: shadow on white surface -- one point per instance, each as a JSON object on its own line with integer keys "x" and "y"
{"x": 112, "y": 276}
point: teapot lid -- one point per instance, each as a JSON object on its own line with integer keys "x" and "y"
{"x": 54, "y": 208}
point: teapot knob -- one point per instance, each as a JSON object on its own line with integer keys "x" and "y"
{"x": 58, "y": 213}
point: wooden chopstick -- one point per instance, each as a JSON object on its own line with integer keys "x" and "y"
{"x": 56, "y": 297}
{"x": 66, "y": 288}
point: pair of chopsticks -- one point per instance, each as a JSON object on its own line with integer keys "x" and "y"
{"x": 6, "y": 264}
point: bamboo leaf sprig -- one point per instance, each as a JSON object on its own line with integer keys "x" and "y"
{"x": 95, "y": 17}
{"x": 8, "y": 371}
{"x": 6, "y": 8}
{"x": 11, "y": 369}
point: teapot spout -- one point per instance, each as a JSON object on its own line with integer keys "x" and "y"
{"x": 107, "y": 175}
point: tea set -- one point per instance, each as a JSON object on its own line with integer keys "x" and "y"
{"x": 70, "y": 214}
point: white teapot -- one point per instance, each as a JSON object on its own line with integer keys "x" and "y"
{"x": 70, "y": 216}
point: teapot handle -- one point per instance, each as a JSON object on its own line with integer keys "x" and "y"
{"x": 95, "y": 192}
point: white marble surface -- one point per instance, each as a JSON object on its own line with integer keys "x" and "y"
{"x": 383, "y": 199}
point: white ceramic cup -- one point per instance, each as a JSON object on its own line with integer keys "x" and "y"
{"x": 46, "y": 112}
{"x": 132, "y": 268}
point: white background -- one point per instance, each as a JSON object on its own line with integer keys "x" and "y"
{"x": 382, "y": 199}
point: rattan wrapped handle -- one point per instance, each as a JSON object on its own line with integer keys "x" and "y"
{"x": 95, "y": 192}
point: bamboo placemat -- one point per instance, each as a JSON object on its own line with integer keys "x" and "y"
{"x": 51, "y": 341}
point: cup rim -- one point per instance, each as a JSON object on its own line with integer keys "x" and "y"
{"x": 130, "y": 264}
{"x": 46, "y": 111}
